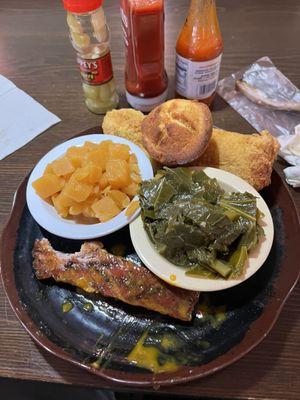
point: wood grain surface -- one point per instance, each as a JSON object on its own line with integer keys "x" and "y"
{"x": 36, "y": 55}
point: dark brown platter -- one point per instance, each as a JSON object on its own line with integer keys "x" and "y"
{"x": 206, "y": 344}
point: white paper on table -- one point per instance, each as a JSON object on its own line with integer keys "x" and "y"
{"x": 21, "y": 118}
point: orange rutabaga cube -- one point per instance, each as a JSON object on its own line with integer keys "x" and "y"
{"x": 121, "y": 199}
{"x": 90, "y": 173}
{"x": 95, "y": 173}
{"x": 133, "y": 159}
{"x": 105, "y": 209}
{"x": 85, "y": 207}
{"x": 96, "y": 189}
{"x": 48, "y": 170}
{"x": 88, "y": 211}
{"x": 118, "y": 174}
{"x": 62, "y": 210}
{"x": 132, "y": 189}
{"x": 48, "y": 185}
{"x": 76, "y": 209}
{"x": 103, "y": 181}
{"x": 81, "y": 174}
{"x": 135, "y": 177}
{"x": 104, "y": 146}
{"x": 118, "y": 151}
{"x": 89, "y": 146}
{"x": 106, "y": 190}
{"x": 76, "y": 155}
{"x": 131, "y": 209}
{"x": 62, "y": 166}
{"x": 78, "y": 191}
{"x": 63, "y": 200}
{"x": 134, "y": 168}
{"x": 99, "y": 156}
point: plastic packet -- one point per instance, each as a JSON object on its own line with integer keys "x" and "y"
{"x": 263, "y": 75}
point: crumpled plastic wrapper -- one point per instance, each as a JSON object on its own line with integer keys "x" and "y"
{"x": 263, "y": 75}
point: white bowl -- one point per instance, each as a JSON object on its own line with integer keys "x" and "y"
{"x": 175, "y": 275}
{"x": 46, "y": 215}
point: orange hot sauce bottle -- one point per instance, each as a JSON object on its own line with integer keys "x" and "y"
{"x": 198, "y": 53}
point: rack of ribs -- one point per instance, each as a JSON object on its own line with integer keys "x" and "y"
{"x": 94, "y": 270}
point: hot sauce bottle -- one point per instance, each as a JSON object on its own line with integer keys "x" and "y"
{"x": 145, "y": 76}
{"x": 198, "y": 53}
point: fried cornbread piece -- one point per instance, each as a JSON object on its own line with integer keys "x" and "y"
{"x": 177, "y": 132}
{"x": 125, "y": 123}
{"x": 249, "y": 156}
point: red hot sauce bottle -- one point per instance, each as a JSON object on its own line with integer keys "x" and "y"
{"x": 145, "y": 76}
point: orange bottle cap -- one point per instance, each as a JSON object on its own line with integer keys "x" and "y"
{"x": 82, "y": 6}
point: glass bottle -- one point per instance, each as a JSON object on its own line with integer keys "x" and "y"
{"x": 198, "y": 53}
{"x": 145, "y": 75}
{"x": 90, "y": 37}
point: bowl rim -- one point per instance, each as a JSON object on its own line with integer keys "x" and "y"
{"x": 166, "y": 270}
{"x": 47, "y": 217}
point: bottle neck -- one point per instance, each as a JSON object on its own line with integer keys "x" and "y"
{"x": 200, "y": 6}
{"x": 203, "y": 13}
{"x": 200, "y": 38}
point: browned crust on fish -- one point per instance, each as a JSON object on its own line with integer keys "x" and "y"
{"x": 94, "y": 270}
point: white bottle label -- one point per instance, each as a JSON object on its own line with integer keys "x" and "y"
{"x": 147, "y": 103}
{"x": 197, "y": 79}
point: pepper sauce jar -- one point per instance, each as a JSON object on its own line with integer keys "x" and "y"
{"x": 90, "y": 37}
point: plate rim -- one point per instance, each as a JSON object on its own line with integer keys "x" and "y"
{"x": 40, "y": 211}
{"x": 184, "y": 374}
{"x": 141, "y": 242}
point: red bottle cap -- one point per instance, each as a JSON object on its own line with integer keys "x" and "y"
{"x": 82, "y": 6}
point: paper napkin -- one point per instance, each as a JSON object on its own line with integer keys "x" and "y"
{"x": 21, "y": 118}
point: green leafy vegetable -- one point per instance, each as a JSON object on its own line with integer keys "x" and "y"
{"x": 244, "y": 204}
{"x": 237, "y": 260}
{"x": 195, "y": 224}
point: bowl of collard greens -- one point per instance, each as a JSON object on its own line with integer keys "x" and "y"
{"x": 201, "y": 229}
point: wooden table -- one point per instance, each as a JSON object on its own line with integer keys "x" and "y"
{"x": 36, "y": 55}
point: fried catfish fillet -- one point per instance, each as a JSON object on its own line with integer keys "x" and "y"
{"x": 94, "y": 270}
{"x": 249, "y": 156}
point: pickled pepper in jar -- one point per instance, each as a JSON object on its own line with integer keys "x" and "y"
{"x": 198, "y": 53}
{"x": 90, "y": 38}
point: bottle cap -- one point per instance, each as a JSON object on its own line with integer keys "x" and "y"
{"x": 82, "y": 6}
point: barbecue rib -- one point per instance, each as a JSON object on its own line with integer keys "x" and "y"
{"x": 95, "y": 270}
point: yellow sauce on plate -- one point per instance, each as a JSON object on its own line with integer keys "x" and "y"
{"x": 148, "y": 356}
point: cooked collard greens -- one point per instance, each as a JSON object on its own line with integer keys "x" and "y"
{"x": 194, "y": 223}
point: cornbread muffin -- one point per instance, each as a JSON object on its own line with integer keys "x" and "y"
{"x": 177, "y": 132}
{"x": 125, "y": 123}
